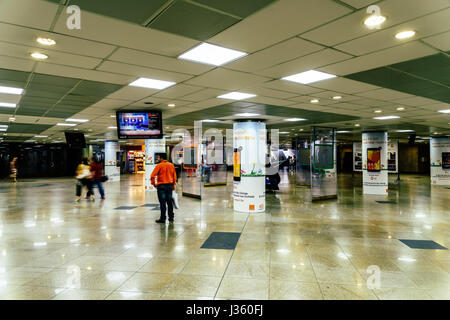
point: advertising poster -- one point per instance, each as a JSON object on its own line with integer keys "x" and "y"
{"x": 111, "y": 168}
{"x": 357, "y": 156}
{"x": 440, "y": 161}
{"x": 375, "y": 162}
{"x": 393, "y": 157}
{"x": 152, "y": 147}
{"x": 249, "y": 166}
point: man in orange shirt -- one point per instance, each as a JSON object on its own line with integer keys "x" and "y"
{"x": 166, "y": 177}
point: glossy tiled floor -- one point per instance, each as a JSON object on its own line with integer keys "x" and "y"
{"x": 296, "y": 250}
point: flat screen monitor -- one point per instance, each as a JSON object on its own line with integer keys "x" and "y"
{"x": 75, "y": 140}
{"x": 139, "y": 124}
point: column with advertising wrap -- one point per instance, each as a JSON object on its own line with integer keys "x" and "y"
{"x": 393, "y": 157}
{"x": 375, "y": 162}
{"x": 357, "y": 157}
{"x": 112, "y": 165}
{"x": 249, "y": 159}
{"x": 152, "y": 148}
{"x": 440, "y": 161}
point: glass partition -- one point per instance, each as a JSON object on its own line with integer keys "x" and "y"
{"x": 303, "y": 176}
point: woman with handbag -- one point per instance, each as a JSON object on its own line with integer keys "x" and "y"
{"x": 84, "y": 179}
{"x": 97, "y": 177}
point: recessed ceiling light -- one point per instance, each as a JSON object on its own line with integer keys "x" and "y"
{"x": 400, "y": 108}
{"x": 3, "y": 126}
{"x": 343, "y": 131}
{"x": 10, "y": 90}
{"x": 41, "y": 136}
{"x": 404, "y": 130}
{"x": 378, "y": 111}
{"x": 309, "y": 77}
{"x": 7, "y": 105}
{"x": 152, "y": 83}
{"x": 76, "y": 120}
{"x": 12, "y": 119}
{"x": 112, "y": 127}
{"x": 314, "y": 101}
{"x": 337, "y": 97}
{"x": 405, "y": 34}
{"x": 386, "y": 117}
{"x": 444, "y": 111}
{"x": 247, "y": 114}
{"x": 171, "y": 105}
{"x": 39, "y": 56}
{"x": 356, "y": 124}
{"x": 237, "y": 96}
{"x": 66, "y": 124}
{"x": 3, "y": 129}
{"x": 301, "y": 129}
{"x": 112, "y": 115}
{"x": 46, "y": 41}
{"x": 374, "y": 20}
{"x": 295, "y": 119}
{"x": 212, "y": 54}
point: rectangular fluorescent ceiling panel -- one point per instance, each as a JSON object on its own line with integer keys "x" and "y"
{"x": 211, "y": 54}
{"x": 295, "y": 119}
{"x": 66, "y": 124}
{"x": 444, "y": 111}
{"x": 247, "y": 114}
{"x": 76, "y": 120}
{"x": 404, "y": 131}
{"x": 210, "y": 120}
{"x": 237, "y": 96}
{"x": 152, "y": 83}
{"x": 10, "y": 90}
{"x": 7, "y": 105}
{"x": 386, "y": 117}
{"x": 309, "y": 77}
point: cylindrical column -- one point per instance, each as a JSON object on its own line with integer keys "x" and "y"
{"x": 375, "y": 168}
{"x": 112, "y": 152}
{"x": 249, "y": 146}
{"x": 152, "y": 148}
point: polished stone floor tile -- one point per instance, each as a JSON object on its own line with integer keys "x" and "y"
{"x": 204, "y": 286}
{"x": 81, "y": 294}
{"x": 295, "y": 250}
{"x": 346, "y": 292}
{"x": 291, "y": 290}
{"x": 241, "y": 288}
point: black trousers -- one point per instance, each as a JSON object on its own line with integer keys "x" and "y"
{"x": 84, "y": 183}
{"x": 165, "y": 196}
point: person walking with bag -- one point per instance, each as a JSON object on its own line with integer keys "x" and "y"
{"x": 84, "y": 179}
{"x": 164, "y": 179}
{"x": 97, "y": 177}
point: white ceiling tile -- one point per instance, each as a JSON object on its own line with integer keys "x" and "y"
{"x": 203, "y": 95}
{"x": 131, "y": 93}
{"x": 226, "y": 79}
{"x": 108, "y": 30}
{"x": 359, "y": 3}
{"x": 206, "y": 104}
{"x": 274, "y": 55}
{"x": 352, "y": 26}
{"x": 27, "y": 36}
{"x": 276, "y": 22}
{"x": 384, "y": 94}
{"x": 14, "y": 50}
{"x": 128, "y": 69}
{"x": 290, "y": 87}
{"x": 177, "y": 91}
{"x": 344, "y": 85}
{"x": 440, "y": 41}
{"x": 16, "y": 64}
{"x": 270, "y": 101}
{"x": 408, "y": 51}
{"x": 159, "y": 62}
{"x": 308, "y": 62}
{"x": 417, "y": 101}
{"x": 35, "y": 14}
{"x": 94, "y": 75}
{"x": 424, "y": 26}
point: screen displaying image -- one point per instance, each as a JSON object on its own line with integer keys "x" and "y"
{"x": 237, "y": 165}
{"x": 190, "y": 157}
{"x": 139, "y": 124}
{"x": 446, "y": 160}
{"x": 373, "y": 159}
